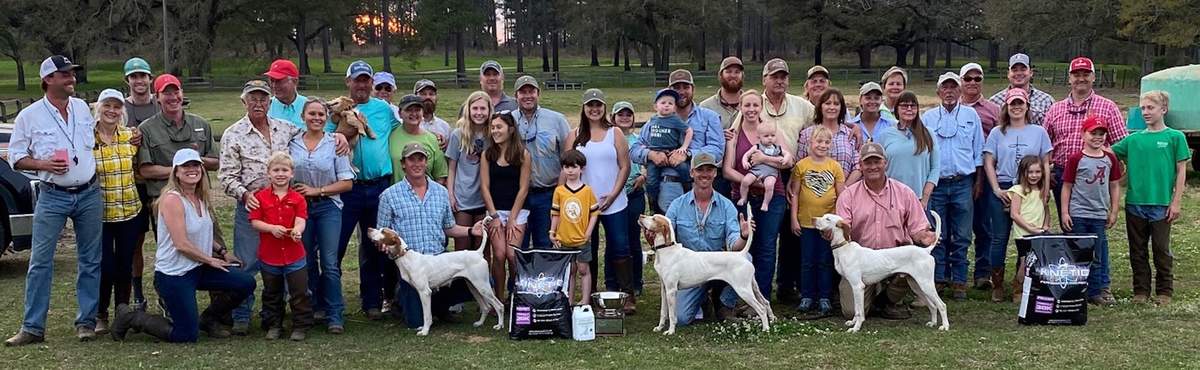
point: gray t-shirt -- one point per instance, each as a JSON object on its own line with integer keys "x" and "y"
{"x": 466, "y": 171}
{"x": 1091, "y": 176}
{"x": 1009, "y": 147}
{"x": 138, "y": 113}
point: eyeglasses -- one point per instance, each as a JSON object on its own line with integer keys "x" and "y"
{"x": 907, "y": 106}
{"x": 383, "y": 87}
{"x": 972, "y": 79}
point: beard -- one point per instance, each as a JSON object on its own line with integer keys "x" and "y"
{"x": 732, "y": 86}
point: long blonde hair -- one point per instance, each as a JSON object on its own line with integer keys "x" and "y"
{"x": 173, "y": 186}
{"x": 464, "y": 121}
{"x": 737, "y": 124}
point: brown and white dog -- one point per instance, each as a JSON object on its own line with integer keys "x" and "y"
{"x": 349, "y": 122}
{"x": 426, "y": 273}
{"x": 682, "y": 268}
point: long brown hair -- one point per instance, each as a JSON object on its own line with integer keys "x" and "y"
{"x": 920, "y": 133}
{"x": 825, "y": 96}
{"x": 1006, "y": 120}
{"x": 515, "y": 144}
{"x": 468, "y": 130}
{"x": 585, "y": 126}
{"x": 1023, "y": 168}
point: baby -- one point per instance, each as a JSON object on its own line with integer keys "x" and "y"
{"x": 763, "y": 171}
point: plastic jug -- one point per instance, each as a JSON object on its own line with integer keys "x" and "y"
{"x": 583, "y": 323}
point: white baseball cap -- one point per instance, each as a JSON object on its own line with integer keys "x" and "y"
{"x": 949, "y": 76}
{"x": 970, "y": 67}
{"x": 111, "y": 94}
{"x": 185, "y": 155}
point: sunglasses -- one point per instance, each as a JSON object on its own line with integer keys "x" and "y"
{"x": 972, "y": 79}
{"x": 387, "y": 88}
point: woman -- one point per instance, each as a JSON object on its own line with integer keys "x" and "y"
{"x": 187, "y": 260}
{"x": 766, "y": 234}
{"x": 504, "y": 178}
{"x": 607, "y": 154}
{"x": 122, "y": 207}
{"x": 465, "y": 147}
{"x": 894, "y": 81}
{"x": 320, "y": 175}
{"x": 623, "y": 117}
{"x": 911, "y": 151}
{"x": 871, "y": 120}
{"x": 831, "y": 114}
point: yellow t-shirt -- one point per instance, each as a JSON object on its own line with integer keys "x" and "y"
{"x": 574, "y": 210}
{"x": 1032, "y": 209}
{"x": 818, "y": 188}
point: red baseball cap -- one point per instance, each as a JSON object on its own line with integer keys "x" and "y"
{"x": 164, "y": 80}
{"x": 1093, "y": 123}
{"x": 282, "y": 68}
{"x": 1082, "y": 63}
{"x": 1016, "y": 93}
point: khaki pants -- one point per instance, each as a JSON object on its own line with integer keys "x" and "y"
{"x": 895, "y": 287}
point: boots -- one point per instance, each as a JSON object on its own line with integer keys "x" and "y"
{"x": 129, "y": 318}
{"x": 997, "y": 283}
{"x": 1018, "y": 282}
{"x": 624, "y": 277}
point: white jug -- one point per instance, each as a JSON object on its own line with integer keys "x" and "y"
{"x": 583, "y": 323}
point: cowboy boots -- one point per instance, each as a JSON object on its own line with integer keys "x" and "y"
{"x": 997, "y": 282}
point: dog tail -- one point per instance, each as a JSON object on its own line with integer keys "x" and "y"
{"x": 750, "y": 239}
{"x": 937, "y": 231}
{"x": 483, "y": 240}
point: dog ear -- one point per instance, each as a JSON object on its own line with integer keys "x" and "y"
{"x": 845, "y": 226}
{"x": 668, "y": 234}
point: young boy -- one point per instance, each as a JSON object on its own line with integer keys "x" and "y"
{"x": 816, "y": 182}
{"x": 1089, "y": 194}
{"x": 1155, "y": 191}
{"x": 668, "y": 135}
{"x": 279, "y": 220}
{"x": 572, "y": 218}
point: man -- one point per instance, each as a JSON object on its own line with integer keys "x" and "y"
{"x": 725, "y": 102}
{"x": 53, "y": 138}
{"x": 959, "y": 140}
{"x": 545, "y": 135}
{"x": 419, "y": 210}
{"x": 491, "y": 81}
{"x": 815, "y": 84}
{"x": 167, "y": 132}
{"x": 709, "y": 222}
{"x": 972, "y": 96}
{"x": 1064, "y": 120}
{"x": 287, "y": 104}
{"x": 871, "y": 119}
{"x": 882, "y": 213}
{"x": 1020, "y": 76}
{"x": 140, "y": 104}
{"x": 411, "y": 131}
{"x": 385, "y": 86}
{"x": 428, "y": 92}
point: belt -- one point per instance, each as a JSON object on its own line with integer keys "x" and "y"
{"x": 72, "y": 189}
{"x": 384, "y": 178}
{"x": 955, "y": 178}
{"x": 669, "y": 178}
{"x": 541, "y": 189}
{"x": 316, "y": 199}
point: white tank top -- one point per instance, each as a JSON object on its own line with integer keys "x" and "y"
{"x": 169, "y": 260}
{"x": 602, "y": 170}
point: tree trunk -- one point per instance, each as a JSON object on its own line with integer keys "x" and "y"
{"x": 724, "y": 47}
{"x": 460, "y": 67}
{"x": 625, "y": 46}
{"x": 325, "y": 50}
{"x": 595, "y": 54}
{"x": 993, "y": 54}
{"x": 741, "y": 29}
{"x": 930, "y": 55}
{"x": 658, "y": 55}
{"x": 383, "y": 36}
{"x": 668, "y": 45}
{"x": 520, "y": 55}
{"x": 20, "y": 74}
{"x": 545, "y": 54}
{"x": 901, "y": 54}
{"x": 446, "y": 49}
{"x": 767, "y": 51}
{"x": 949, "y": 52}
{"x": 917, "y": 49}
{"x": 554, "y": 50}
{"x": 700, "y": 63}
{"x": 864, "y": 57}
{"x": 302, "y": 44}
{"x": 617, "y": 52}
{"x": 819, "y": 49}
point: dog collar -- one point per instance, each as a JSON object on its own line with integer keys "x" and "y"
{"x": 657, "y": 247}
{"x": 839, "y": 245}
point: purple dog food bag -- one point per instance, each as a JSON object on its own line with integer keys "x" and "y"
{"x": 1055, "y": 268}
{"x": 540, "y": 307}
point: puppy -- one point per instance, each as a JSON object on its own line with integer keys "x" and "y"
{"x": 682, "y": 268}
{"x": 863, "y": 266}
{"x": 426, "y": 273}
{"x": 350, "y": 122}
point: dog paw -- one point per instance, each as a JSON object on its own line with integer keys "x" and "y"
{"x": 930, "y": 324}
{"x": 498, "y": 326}
{"x": 657, "y": 328}
{"x": 423, "y": 332}
{"x": 944, "y": 327}
{"x": 477, "y": 323}
{"x": 852, "y": 330}
{"x": 669, "y": 332}
{"x": 850, "y": 323}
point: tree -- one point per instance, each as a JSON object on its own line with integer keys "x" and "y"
{"x": 454, "y": 18}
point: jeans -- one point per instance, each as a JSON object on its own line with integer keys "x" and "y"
{"x": 636, "y": 207}
{"x": 1056, "y": 189}
{"x": 54, "y": 207}
{"x": 290, "y": 281}
{"x": 321, "y": 234}
{"x": 616, "y": 245}
{"x": 178, "y": 294}
{"x": 537, "y": 230}
{"x": 439, "y": 301}
{"x": 951, "y": 199}
{"x": 1098, "y": 279}
{"x": 816, "y": 268}
{"x": 1001, "y": 226}
{"x": 655, "y": 180}
{"x": 689, "y": 301}
{"x": 983, "y": 232}
{"x": 245, "y": 247}
{"x": 118, "y": 242}
{"x": 667, "y": 193}
{"x": 361, "y": 209}
{"x": 766, "y": 237}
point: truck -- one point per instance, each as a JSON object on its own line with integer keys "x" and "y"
{"x": 18, "y": 195}
{"x": 1183, "y": 85}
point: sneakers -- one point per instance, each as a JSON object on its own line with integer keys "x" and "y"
{"x": 101, "y": 326}
{"x": 85, "y": 334}
{"x": 274, "y": 333}
{"x": 806, "y": 305}
{"x": 824, "y": 308}
{"x": 241, "y": 328}
{"x": 336, "y": 329}
{"x": 23, "y": 338}
{"x": 298, "y": 335}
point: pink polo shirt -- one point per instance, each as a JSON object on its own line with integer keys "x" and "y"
{"x": 887, "y": 219}
{"x": 988, "y": 114}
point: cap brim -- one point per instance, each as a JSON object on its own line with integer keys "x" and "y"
{"x": 862, "y": 93}
{"x": 869, "y": 156}
{"x": 415, "y": 153}
{"x": 169, "y": 84}
{"x": 146, "y": 71}
{"x": 363, "y": 73}
{"x": 519, "y": 87}
{"x": 275, "y": 75}
{"x": 589, "y": 100}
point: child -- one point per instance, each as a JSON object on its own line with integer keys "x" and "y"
{"x": 670, "y": 136}
{"x": 279, "y": 220}
{"x": 572, "y": 218}
{"x": 762, "y": 171}
{"x": 1155, "y": 190}
{"x": 504, "y": 179}
{"x": 1089, "y": 193}
{"x": 816, "y": 182}
{"x": 1028, "y": 210}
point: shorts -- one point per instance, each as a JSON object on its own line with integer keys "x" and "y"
{"x": 475, "y": 212}
{"x": 763, "y": 170}
{"x": 522, "y": 217}
{"x": 584, "y": 255}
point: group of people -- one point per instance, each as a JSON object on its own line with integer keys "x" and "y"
{"x": 137, "y": 163}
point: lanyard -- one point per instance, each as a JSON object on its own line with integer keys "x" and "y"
{"x": 63, "y": 126}
{"x": 701, "y": 219}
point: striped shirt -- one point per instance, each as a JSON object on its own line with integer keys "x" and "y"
{"x": 844, "y": 149}
{"x": 114, "y": 172}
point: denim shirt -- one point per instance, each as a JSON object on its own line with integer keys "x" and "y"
{"x": 320, "y": 167}
{"x": 958, "y": 135}
{"x": 544, "y": 134}
{"x": 710, "y": 232}
{"x": 707, "y": 137}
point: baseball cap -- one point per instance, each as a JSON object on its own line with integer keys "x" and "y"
{"x": 892, "y": 71}
{"x": 593, "y": 95}
{"x": 1014, "y": 94}
{"x": 1093, "y": 123}
{"x": 164, "y": 80}
{"x": 57, "y": 63}
{"x": 949, "y": 76}
{"x": 282, "y": 68}
{"x": 680, "y": 75}
{"x": 1080, "y": 64}
{"x": 775, "y": 65}
{"x": 730, "y": 61}
{"x": 409, "y": 100}
{"x": 422, "y": 84}
{"x": 704, "y": 159}
{"x": 413, "y": 148}
{"x": 622, "y": 105}
{"x": 871, "y": 149}
{"x": 526, "y": 80}
{"x": 256, "y": 85}
{"x": 869, "y": 87}
{"x": 136, "y": 65}
{"x": 970, "y": 67}
{"x": 670, "y": 92}
{"x": 380, "y": 78}
{"x": 1018, "y": 58}
{"x": 185, "y": 155}
{"x": 491, "y": 64}
{"x": 815, "y": 70}
{"x": 358, "y": 68}
{"x": 111, "y": 94}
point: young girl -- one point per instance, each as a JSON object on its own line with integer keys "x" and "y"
{"x": 504, "y": 179}
{"x": 1028, "y": 209}
{"x": 816, "y": 182}
{"x": 279, "y": 220}
{"x": 463, "y": 152}
{"x": 763, "y": 172}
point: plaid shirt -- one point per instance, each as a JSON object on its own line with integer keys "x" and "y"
{"x": 1039, "y": 102}
{"x": 844, "y": 149}
{"x": 114, "y": 172}
{"x": 245, "y": 151}
{"x": 1064, "y": 124}
{"x": 421, "y": 223}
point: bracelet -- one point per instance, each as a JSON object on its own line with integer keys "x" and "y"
{"x": 322, "y": 190}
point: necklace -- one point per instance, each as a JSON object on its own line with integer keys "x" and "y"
{"x": 63, "y": 126}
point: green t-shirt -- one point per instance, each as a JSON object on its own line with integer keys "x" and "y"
{"x": 1150, "y": 158}
{"x": 437, "y": 168}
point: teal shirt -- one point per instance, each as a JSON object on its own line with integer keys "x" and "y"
{"x": 371, "y": 155}
{"x": 293, "y": 113}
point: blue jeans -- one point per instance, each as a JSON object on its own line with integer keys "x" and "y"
{"x": 245, "y": 247}
{"x": 766, "y": 238}
{"x": 54, "y": 207}
{"x": 952, "y": 200}
{"x": 667, "y": 193}
{"x": 688, "y": 301}
{"x": 537, "y": 229}
{"x": 789, "y": 250}
{"x": 983, "y": 232}
{"x": 636, "y": 207}
{"x": 654, "y": 178}
{"x": 178, "y": 294}
{"x": 616, "y": 246}
{"x": 441, "y": 299}
{"x": 361, "y": 209}
{"x": 321, "y": 234}
{"x": 1056, "y": 190}
{"x": 1098, "y": 278}
{"x": 816, "y": 268}
{"x": 1001, "y": 228}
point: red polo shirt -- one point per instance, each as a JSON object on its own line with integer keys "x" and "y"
{"x": 279, "y": 211}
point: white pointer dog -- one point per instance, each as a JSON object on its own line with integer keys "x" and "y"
{"x": 426, "y": 273}
{"x": 682, "y": 268}
{"x": 863, "y": 266}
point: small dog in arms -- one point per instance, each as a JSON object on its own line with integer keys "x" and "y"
{"x": 862, "y": 266}
{"x": 426, "y": 273}
{"x": 682, "y": 268}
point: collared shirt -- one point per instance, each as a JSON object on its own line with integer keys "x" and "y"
{"x": 436, "y": 164}
{"x": 369, "y": 154}
{"x": 715, "y": 229}
{"x": 883, "y": 124}
{"x": 844, "y": 149}
{"x": 114, "y": 170}
{"x": 421, "y": 222}
{"x": 1039, "y": 102}
{"x": 958, "y": 136}
{"x": 881, "y": 220}
{"x": 320, "y": 166}
{"x": 727, "y": 111}
{"x": 913, "y": 170}
{"x": 793, "y": 116}
{"x": 437, "y": 126}
{"x": 506, "y": 103}
{"x": 544, "y": 133}
{"x": 1064, "y": 124}
{"x": 707, "y": 137}
{"x": 988, "y": 113}
{"x": 39, "y": 131}
{"x": 293, "y": 113}
{"x": 635, "y": 169}
{"x": 245, "y": 151}
{"x": 281, "y": 211}
{"x": 161, "y": 139}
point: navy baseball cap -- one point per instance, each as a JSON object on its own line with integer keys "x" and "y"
{"x": 359, "y": 68}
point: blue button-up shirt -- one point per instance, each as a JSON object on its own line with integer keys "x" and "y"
{"x": 707, "y": 137}
{"x": 959, "y": 138}
{"x": 714, "y": 230}
{"x": 881, "y": 126}
{"x": 371, "y": 155}
{"x": 293, "y": 113}
{"x": 544, "y": 134}
{"x": 422, "y": 223}
{"x": 321, "y": 166}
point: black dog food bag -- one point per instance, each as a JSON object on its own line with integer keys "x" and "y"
{"x": 540, "y": 307}
{"x": 1056, "y": 274}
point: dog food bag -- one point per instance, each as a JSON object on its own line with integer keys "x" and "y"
{"x": 540, "y": 307}
{"x": 1056, "y": 272}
